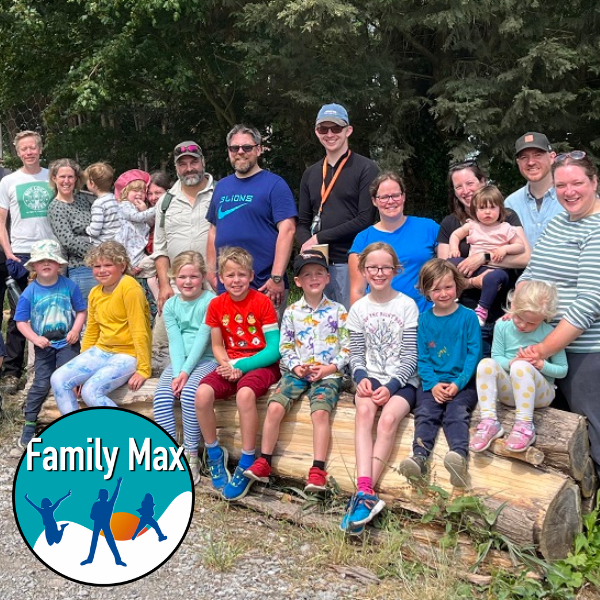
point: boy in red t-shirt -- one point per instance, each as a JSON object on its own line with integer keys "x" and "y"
{"x": 245, "y": 343}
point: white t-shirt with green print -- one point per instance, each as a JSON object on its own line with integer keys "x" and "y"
{"x": 27, "y": 197}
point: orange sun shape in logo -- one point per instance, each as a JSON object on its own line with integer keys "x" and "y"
{"x": 123, "y": 526}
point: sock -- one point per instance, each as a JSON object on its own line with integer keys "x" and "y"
{"x": 320, "y": 464}
{"x": 246, "y": 459}
{"x": 213, "y": 450}
{"x": 481, "y": 312}
{"x": 364, "y": 485}
{"x": 267, "y": 457}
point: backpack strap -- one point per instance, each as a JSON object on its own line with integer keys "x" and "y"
{"x": 164, "y": 207}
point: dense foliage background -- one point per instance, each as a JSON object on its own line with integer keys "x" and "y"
{"x": 426, "y": 82}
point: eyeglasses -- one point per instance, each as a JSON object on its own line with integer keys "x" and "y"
{"x": 245, "y": 148}
{"x": 323, "y": 129}
{"x": 575, "y": 155}
{"x": 389, "y": 198}
{"x": 372, "y": 270}
{"x": 191, "y": 148}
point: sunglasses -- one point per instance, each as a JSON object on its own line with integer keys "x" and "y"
{"x": 463, "y": 164}
{"x": 191, "y": 148}
{"x": 323, "y": 129}
{"x": 245, "y": 148}
{"x": 575, "y": 155}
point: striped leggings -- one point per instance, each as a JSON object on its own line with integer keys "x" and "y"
{"x": 164, "y": 400}
{"x": 525, "y": 388}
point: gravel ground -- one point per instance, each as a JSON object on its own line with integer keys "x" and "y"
{"x": 228, "y": 553}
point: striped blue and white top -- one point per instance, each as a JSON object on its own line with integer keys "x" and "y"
{"x": 568, "y": 256}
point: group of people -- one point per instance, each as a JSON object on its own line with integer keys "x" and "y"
{"x": 388, "y": 300}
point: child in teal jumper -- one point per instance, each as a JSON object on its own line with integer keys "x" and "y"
{"x": 245, "y": 342}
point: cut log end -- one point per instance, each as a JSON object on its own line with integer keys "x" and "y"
{"x": 534, "y": 456}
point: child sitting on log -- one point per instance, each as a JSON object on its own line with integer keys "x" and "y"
{"x": 245, "y": 343}
{"x": 514, "y": 378}
{"x": 383, "y": 358}
{"x": 449, "y": 343}
{"x": 315, "y": 348}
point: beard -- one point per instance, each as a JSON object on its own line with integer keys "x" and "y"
{"x": 191, "y": 179}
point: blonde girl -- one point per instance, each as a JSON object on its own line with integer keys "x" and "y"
{"x": 190, "y": 351}
{"x": 383, "y": 360}
{"x": 526, "y": 383}
{"x": 116, "y": 346}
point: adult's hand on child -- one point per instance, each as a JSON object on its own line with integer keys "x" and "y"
{"x": 364, "y": 388}
{"x": 136, "y": 381}
{"x": 380, "y": 396}
{"x": 468, "y": 266}
{"x": 41, "y": 342}
{"x": 178, "y": 383}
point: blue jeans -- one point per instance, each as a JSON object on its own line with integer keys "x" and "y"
{"x": 83, "y": 277}
{"x": 338, "y": 289}
{"x": 47, "y": 360}
{"x": 99, "y": 371}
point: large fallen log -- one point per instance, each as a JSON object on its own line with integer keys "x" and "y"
{"x": 536, "y": 507}
{"x": 560, "y": 435}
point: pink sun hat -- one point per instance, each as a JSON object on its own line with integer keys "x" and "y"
{"x": 126, "y": 178}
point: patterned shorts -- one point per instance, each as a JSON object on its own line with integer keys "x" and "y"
{"x": 323, "y": 394}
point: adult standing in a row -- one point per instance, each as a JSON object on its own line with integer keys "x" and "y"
{"x": 253, "y": 209}
{"x": 24, "y": 195}
{"x": 567, "y": 256}
{"x": 536, "y": 202}
{"x": 69, "y": 214}
{"x": 181, "y": 214}
{"x": 335, "y": 202}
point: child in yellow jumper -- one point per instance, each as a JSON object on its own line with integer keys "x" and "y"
{"x": 116, "y": 346}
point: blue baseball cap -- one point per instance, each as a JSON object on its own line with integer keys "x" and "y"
{"x": 334, "y": 113}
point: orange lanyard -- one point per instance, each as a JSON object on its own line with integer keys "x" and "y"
{"x": 326, "y": 191}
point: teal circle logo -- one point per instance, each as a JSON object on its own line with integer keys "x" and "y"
{"x": 103, "y": 496}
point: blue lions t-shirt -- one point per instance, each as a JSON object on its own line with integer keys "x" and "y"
{"x": 51, "y": 309}
{"x": 245, "y": 212}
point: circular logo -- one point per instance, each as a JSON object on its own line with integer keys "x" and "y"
{"x": 103, "y": 496}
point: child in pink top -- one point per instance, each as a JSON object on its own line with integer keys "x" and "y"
{"x": 487, "y": 233}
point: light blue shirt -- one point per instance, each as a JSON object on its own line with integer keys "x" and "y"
{"x": 534, "y": 221}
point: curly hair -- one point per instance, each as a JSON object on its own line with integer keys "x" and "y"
{"x": 112, "y": 251}
{"x": 534, "y": 296}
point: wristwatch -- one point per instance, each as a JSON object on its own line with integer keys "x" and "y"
{"x": 276, "y": 278}
{"x": 487, "y": 257}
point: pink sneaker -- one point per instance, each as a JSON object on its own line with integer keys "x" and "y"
{"x": 487, "y": 431}
{"x": 521, "y": 437}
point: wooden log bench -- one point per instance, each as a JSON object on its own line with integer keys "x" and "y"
{"x": 540, "y": 503}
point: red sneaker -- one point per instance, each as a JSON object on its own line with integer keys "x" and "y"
{"x": 317, "y": 480}
{"x": 259, "y": 471}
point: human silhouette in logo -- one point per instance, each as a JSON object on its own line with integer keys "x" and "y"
{"x": 147, "y": 518}
{"x": 46, "y": 510}
{"x": 101, "y": 513}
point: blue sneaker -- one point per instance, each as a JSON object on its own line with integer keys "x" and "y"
{"x": 238, "y": 487}
{"x": 346, "y": 526}
{"x": 218, "y": 469}
{"x": 365, "y": 508}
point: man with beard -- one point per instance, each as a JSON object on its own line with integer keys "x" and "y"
{"x": 253, "y": 209}
{"x": 181, "y": 214}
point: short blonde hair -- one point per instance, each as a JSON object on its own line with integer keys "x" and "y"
{"x": 188, "y": 257}
{"x": 138, "y": 184}
{"x": 237, "y": 255}
{"x": 534, "y": 296}
{"x": 101, "y": 174}
{"x": 28, "y": 133}
{"x": 436, "y": 268}
{"x": 112, "y": 251}
{"x": 374, "y": 247}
